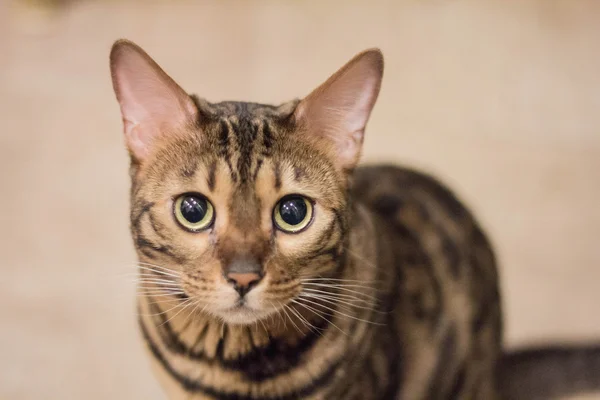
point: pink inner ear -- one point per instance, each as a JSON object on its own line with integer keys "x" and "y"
{"x": 340, "y": 108}
{"x": 137, "y": 143}
{"x": 152, "y": 104}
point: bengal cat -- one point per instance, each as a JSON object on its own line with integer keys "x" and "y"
{"x": 271, "y": 267}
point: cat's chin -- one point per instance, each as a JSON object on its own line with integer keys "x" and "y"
{"x": 243, "y": 315}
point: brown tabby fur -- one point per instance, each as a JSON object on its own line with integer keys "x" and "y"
{"x": 411, "y": 309}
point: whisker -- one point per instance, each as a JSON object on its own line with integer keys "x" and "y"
{"x": 319, "y": 314}
{"x": 160, "y": 292}
{"x": 157, "y": 292}
{"x": 156, "y": 271}
{"x": 163, "y": 301}
{"x": 184, "y": 305}
{"x": 157, "y": 266}
{"x": 263, "y": 324}
{"x": 335, "y": 303}
{"x": 189, "y": 319}
{"x": 353, "y": 285}
{"x": 341, "y": 313}
{"x": 162, "y": 312}
{"x": 156, "y": 275}
{"x": 160, "y": 289}
{"x": 339, "y": 280}
{"x": 149, "y": 274}
{"x": 279, "y": 319}
{"x": 340, "y": 296}
{"x": 295, "y": 314}
{"x": 345, "y": 289}
{"x": 332, "y": 300}
{"x": 285, "y": 307}
{"x": 306, "y": 322}
{"x": 155, "y": 280}
{"x": 302, "y": 320}
{"x": 374, "y": 307}
{"x": 159, "y": 286}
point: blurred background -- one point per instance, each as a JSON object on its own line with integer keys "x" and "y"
{"x": 499, "y": 99}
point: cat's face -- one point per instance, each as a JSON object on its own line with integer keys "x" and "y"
{"x": 235, "y": 205}
{"x": 240, "y": 197}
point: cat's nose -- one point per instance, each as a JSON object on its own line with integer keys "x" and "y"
{"x": 244, "y": 274}
{"x": 243, "y": 282}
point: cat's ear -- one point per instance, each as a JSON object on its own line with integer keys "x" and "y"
{"x": 152, "y": 104}
{"x": 339, "y": 109}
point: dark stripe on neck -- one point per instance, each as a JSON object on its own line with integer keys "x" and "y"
{"x": 192, "y": 385}
{"x": 259, "y": 364}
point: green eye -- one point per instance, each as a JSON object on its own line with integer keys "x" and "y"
{"x": 194, "y": 212}
{"x": 293, "y": 213}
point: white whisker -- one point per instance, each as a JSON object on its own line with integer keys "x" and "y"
{"x": 162, "y": 312}
{"x": 157, "y": 266}
{"x": 155, "y": 280}
{"x": 332, "y": 300}
{"x": 285, "y": 307}
{"x": 338, "y": 280}
{"x": 346, "y": 289}
{"x": 282, "y": 318}
{"x": 340, "y": 296}
{"x": 147, "y": 292}
{"x": 339, "y": 312}
{"x": 184, "y": 305}
{"x": 306, "y": 322}
{"x": 319, "y": 314}
{"x": 158, "y": 271}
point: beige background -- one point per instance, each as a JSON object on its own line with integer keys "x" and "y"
{"x": 501, "y": 99}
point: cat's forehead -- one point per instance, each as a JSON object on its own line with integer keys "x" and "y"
{"x": 244, "y": 110}
{"x": 239, "y": 110}
{"x": 243, "y": 147}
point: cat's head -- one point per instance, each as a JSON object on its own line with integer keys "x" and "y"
{"x": 236, "y": 205}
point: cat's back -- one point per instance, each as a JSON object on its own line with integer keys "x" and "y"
{"x": 445, "y": 271}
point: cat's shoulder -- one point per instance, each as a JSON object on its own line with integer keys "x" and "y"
{"x": 386, "y": 187}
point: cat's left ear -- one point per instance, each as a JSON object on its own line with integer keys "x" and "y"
{"x": 339, "y": 109}
{"x": 152, "y": 104}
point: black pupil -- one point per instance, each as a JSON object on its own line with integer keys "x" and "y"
{"x": 193, "y": 209}
{"x": 293, "y": 210}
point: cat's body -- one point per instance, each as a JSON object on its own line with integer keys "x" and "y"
{"x": 438, "y": 319}
{"x": 272, "y": 268}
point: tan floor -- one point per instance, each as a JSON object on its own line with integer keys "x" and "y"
{"x": 501, "y": 101}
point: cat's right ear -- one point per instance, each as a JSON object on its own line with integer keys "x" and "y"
{"x": 152, "y": 104}
{"x": 338, "y": 110}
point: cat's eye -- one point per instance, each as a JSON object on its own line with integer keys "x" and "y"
{"x": 293, "y": 213}
{"x": 194, "y": 212}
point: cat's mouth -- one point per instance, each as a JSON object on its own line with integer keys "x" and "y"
{"x": 240, "y": 304}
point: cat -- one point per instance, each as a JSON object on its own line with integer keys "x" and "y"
{"x": 272, "y": 266}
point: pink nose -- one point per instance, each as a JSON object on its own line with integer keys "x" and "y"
{"x": 243, "y": 281}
